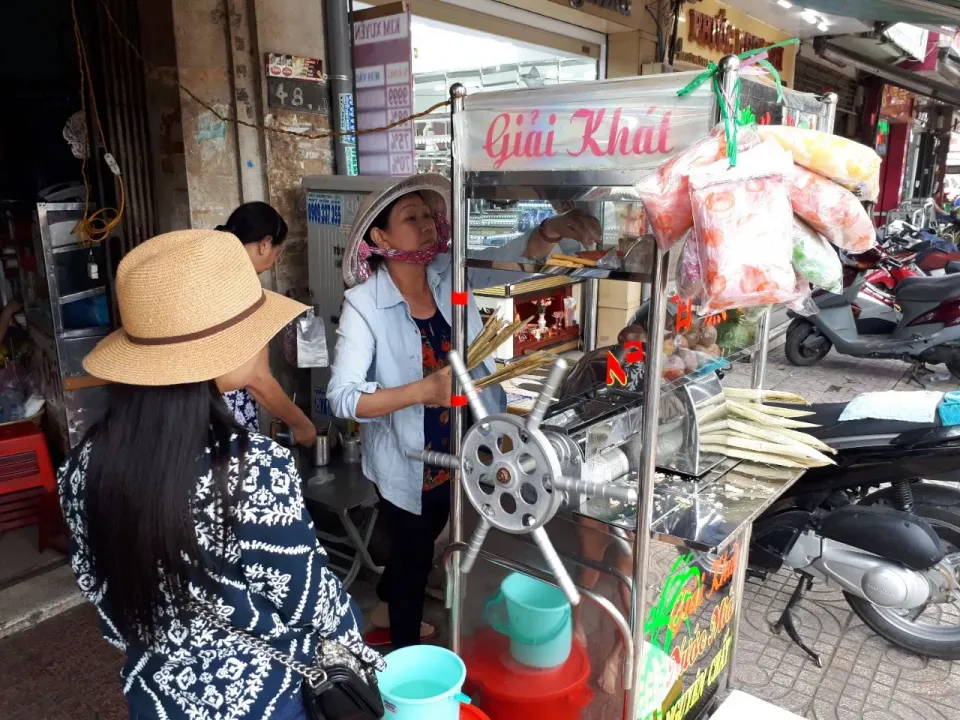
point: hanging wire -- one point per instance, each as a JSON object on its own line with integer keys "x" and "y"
{"x": 93, "y": 228}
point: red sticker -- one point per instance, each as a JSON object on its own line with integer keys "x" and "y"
{"x": 458, "y": 401}
{"x": 459, "y": 298}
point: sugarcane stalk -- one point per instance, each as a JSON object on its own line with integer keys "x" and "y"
{"x": 750, "y": 414}
{"x": 780, "y": 411}
{"x": 767, "y": 395}
{"x": 755, "y": 456}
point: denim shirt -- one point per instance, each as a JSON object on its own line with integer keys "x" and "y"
{"x": 379, "y": 346}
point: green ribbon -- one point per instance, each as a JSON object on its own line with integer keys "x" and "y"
{"x": 731, "y": 120}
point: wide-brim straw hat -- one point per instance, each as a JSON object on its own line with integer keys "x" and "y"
{"x": 192, "y": 310}
{"x": 435, "y": 191}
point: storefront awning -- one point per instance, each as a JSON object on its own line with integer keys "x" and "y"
{"x": 917, "y": 12}
{"x": 934, "y": 88}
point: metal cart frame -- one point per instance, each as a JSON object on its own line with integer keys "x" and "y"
{"x": 632, "y": 627}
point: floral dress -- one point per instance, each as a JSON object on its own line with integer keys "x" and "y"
{"x": 271, "y": 580}
{"x": 435, "y": 336}
{"x": 244, "y": 408}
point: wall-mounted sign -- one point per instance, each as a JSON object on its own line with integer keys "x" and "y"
{"x": 382, "y": 58}
{"x": 634, "y": 125}
{"x": 296, "y": 83}
{"x": 719, "y": 34}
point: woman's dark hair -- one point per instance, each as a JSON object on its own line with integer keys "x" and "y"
{"x": 253, "y": 221}
{"x": 381, "y": 222}
{"x": 147, "y": 456}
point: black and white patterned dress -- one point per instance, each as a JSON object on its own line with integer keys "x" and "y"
{"x": 272, "y": 581}
{"x": 244, "y": 408}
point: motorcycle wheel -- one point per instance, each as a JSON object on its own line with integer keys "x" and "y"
{"x": 799, "y": 355}
{"x": 939, "y": 505}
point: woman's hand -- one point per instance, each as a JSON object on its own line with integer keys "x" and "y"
{"x": 575, "y": 225}
{"x": 305, "y": 433}
{"x": 436, "y": 388}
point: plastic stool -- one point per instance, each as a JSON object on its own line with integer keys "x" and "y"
{"x": 28, "y": 487}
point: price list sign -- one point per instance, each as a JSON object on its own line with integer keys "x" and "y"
{"x": 382, "y": 56}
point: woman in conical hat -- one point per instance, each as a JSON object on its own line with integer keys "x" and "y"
{"x": 390, "y": 371}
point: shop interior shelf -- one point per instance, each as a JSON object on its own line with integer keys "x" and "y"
{"x": 83, "y": 294}
{"x": 532, "y": 267}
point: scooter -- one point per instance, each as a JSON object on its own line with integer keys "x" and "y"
{"x": 919, "y": 324}
{"x": 894, "y": 552}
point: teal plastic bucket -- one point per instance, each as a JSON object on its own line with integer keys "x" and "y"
{"x": 423, "y": 682}
{"x": 537, "y": 621}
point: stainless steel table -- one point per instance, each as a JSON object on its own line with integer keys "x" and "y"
{"x": 340, "y": 488}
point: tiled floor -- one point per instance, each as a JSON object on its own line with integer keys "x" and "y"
{"x": 62, "y": 669}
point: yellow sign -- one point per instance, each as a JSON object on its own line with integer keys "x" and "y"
{"x": 711, "y": 30}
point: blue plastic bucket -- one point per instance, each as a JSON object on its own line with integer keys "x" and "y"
{"x": 423, "y": 682}
{"x": 538, "y": 621}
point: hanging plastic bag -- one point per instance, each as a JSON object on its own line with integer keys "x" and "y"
{"x": 743, "y": 225}
{"x": 311, "y": 341}
{"x": 815, "y": 260}
{"x": 831, "y": 210}
{"x": 666, "y": 191}
{"x": 848, "y": 163}
{"x": 689, "y": 278}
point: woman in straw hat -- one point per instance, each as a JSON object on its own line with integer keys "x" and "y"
{"x": 390, "y": 372}
{"x": 184, "y": 526}
{"x": 263, "y": 231}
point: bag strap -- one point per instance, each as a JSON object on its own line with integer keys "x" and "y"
{"x": 315, "y": 676}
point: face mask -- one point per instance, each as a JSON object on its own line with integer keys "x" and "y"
{"x": 416, "y": 257}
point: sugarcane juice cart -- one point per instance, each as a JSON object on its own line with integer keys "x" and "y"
{"x": 615, "y": 470}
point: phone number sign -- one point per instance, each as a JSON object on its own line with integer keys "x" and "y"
{"x": 382, "y": 56}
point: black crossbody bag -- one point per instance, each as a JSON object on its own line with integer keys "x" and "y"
{"x": 335, "y": 687}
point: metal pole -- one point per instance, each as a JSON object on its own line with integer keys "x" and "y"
{"x": 739, "y": 583}
{"x": 591, "y": 298}
{"x": 339, "y": 35}
{"x": 830, "y": 100}
{"x": 648, "y": 458}
{"x": 759, "y": 359}
{"x": 458, "y": 225}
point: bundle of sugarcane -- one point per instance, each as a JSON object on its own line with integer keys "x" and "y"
{"x": 523, "y": 366}
{"x": 571, "y": 261}
{"x": 761, "y": 433}
{"x": 494, "y": 334}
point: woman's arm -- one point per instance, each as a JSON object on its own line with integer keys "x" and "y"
{"x": 567, "y": 232}
{"x": 354, "y": 397}
{"x": 281, "y": 557}
{"x": 268, "y": 392}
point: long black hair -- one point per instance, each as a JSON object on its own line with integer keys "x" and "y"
{"x": 147, "y": 456}
{"x": 253, "y": 221}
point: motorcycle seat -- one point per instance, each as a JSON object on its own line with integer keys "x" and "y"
{"x": 928, "y": 289}
{"x": 827, "y": 416}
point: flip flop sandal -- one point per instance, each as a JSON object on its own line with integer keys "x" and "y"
{"x": 380, "y": 637}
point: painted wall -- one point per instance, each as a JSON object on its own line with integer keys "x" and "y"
{"x": 741, "y": 21}
{"x": 220, "y": 58}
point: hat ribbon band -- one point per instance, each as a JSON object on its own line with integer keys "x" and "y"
{"x": 200, "y": 334}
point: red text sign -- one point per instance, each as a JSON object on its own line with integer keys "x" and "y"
{"x": 634, "y": 124}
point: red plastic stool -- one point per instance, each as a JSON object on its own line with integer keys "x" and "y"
{"x": 28, "y": 486}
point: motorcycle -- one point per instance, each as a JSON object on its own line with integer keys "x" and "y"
{"x": 919, "y": 322}
{"x": 895, "y": 551}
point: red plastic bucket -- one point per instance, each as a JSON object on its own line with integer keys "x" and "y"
{"x": 471, "y": 712}
{"x": 507, "y": 690}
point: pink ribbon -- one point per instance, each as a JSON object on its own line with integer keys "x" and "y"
{"x": 417, "y": 257}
